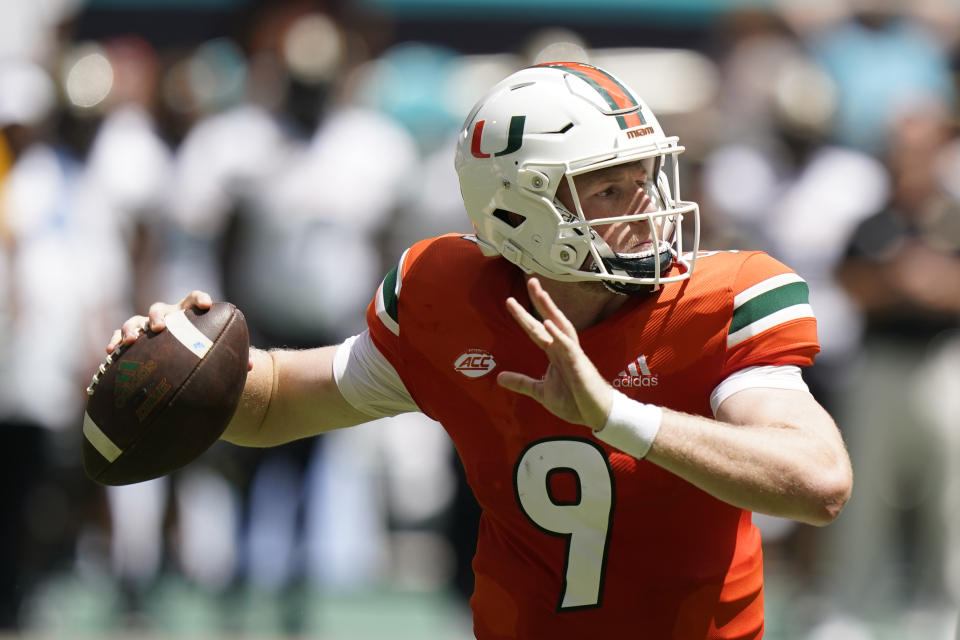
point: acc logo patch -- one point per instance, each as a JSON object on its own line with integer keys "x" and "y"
{"x": 474, "y": 363}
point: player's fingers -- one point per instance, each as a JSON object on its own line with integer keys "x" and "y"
{"x": 547, "y": 308}
{"x": 114, "y": 340}
{"x": 131, "y": 329}
{"x": 519, "y": 383}
{"x": 533, "y": 327}
{"x": 593, "y": 395}
{"x": 565, "y": 353}
{"x": 196, "y": 298}
{"x": 575, "y": 366}
{"x": 158, "y": 311}
{"x": 563, "y": 350}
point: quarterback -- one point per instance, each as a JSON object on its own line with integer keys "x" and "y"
{"x": 621, "y": 402}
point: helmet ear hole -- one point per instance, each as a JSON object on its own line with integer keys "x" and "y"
{"x": 509, "y": 217}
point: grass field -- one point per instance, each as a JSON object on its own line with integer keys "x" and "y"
{"x": 73, "y": 607}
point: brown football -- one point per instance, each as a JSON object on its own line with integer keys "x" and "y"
{"x": 160, "y": 402}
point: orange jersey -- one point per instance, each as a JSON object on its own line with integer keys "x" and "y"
{"x": 578, "y": 539}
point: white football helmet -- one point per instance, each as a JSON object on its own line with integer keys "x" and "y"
{"x": 552, "y": 122}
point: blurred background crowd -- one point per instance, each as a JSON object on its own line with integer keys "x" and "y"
{"x": 282, "y": 154}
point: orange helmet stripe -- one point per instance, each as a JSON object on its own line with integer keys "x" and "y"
{"x": 614, "y": 93}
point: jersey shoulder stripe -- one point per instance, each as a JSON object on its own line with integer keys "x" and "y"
{"x": 446, "y": 251}
{"x": 773, "y": 319}
{"x": 434, "y": 282}
{"x": 767, "y": 304}
{"x": 769, "y": 297}
{"x": 388, "y": 294}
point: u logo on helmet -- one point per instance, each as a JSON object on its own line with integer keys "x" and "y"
{"x": 514, "y": 137}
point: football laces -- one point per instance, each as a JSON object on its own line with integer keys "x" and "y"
{"x": 103, "y": 367}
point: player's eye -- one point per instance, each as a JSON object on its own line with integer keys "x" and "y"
{"x": 605, "y": 192}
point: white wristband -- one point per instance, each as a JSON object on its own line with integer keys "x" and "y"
{"x": 631, "y": 426}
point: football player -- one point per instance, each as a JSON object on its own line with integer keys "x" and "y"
{"x": 621, "y": 403}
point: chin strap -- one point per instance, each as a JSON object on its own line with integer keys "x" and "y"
{"x": 643, "y": 267}
{"x": 613, "y": 263}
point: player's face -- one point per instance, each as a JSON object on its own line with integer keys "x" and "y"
{"x": 615, "y": 191}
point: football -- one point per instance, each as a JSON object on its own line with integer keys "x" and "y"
{"x": 158, "y": 403}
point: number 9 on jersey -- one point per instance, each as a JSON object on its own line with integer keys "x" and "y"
{"x": 584, "y": 521}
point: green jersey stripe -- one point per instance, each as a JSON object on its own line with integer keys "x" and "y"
{"x": 774, "y": 300}
{"x": 388, "y": 295}
{"x": 779, "y": 317}
{"x": 387, "y": 303}
{"x": 763, "y": 286}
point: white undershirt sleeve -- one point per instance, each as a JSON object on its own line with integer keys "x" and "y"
{"x": 769, "y": 377}
{"x": 368, "y": 381}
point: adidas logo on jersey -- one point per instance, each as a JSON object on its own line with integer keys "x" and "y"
{"x": 636, "y": 374}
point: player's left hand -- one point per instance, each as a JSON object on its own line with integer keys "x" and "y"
{"x": 572, "y": 388}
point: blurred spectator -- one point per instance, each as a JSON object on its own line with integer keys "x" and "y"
{"x": 879, "y": 59}
{"x": 804, "y": 196}
{"x": 185, "y": 527}
{"x": 64, "y": 257}
{"x": 110, "y": 93}
{"x": 275, "y": 193}
{"x": 419, "y": 86}
{"x": 777, "y": 182}
{"x": 30, "y": 30}
{"x": 902, "y": 269}
{"x": 34, "y": 183}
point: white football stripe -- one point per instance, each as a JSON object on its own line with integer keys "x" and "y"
{"x": 762, "y": 287}
{"x": 99, "y": 439}
{"x": 759, "y": 326}
{"x": 184, "y": 331}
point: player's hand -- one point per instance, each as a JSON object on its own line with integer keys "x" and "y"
{"x": 571, "y": 388}
{"x": 154, "y": 320}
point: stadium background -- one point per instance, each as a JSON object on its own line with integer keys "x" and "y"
{"x": 282, "y": 154}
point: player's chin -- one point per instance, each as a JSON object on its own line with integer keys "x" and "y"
{"x": 591, "y": 287}
{"x": 639, "y": 248}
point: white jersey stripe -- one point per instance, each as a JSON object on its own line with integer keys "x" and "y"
{"x": 767, "y": 322}
{"x": 762, "y": 287}
{"x": 403, "y": 256}
{"x": 385, "y": 318}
